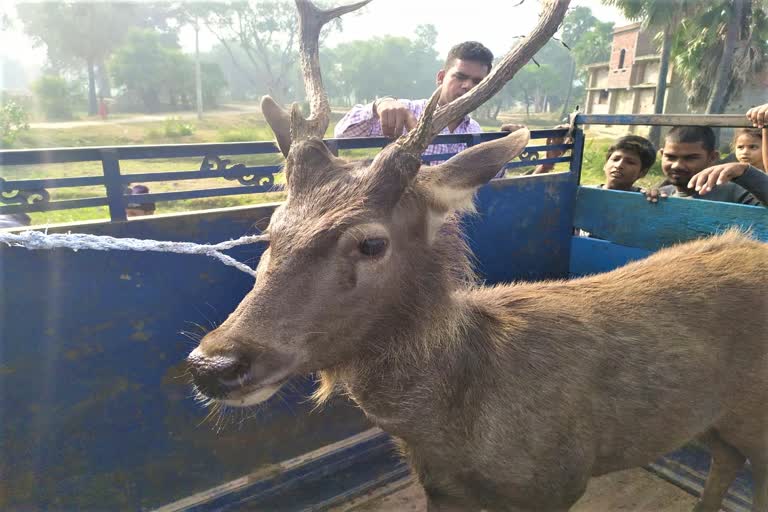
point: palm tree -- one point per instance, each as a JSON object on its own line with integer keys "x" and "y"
{"x": 663, "y": 16}
{"x": 728, "y": 41}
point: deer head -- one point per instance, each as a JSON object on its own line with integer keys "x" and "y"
{"x": 360, "y": 253}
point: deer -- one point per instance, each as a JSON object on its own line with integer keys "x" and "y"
{"x": 502, "y": 398}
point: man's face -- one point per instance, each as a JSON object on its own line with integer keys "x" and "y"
{"x": 462, "y": 76}
{"x": 681, "y": 160}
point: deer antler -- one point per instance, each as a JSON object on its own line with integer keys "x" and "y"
{"x": 312, "y": 20}
{"x": 289, "y": 127}
{"x": 429, "y": 126}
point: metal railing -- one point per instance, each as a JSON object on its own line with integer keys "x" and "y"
{"x": 32, "y": 195}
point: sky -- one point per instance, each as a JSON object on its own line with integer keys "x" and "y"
{"x": 495, "y": 23}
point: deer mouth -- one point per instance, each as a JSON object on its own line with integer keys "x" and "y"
{"x": 250, "y": 394}
{"x": 239, "y": 381}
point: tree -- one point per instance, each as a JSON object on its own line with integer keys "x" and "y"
{"x": 85, "y": 33}
{"x": 267, "y": 33}
{"x": 152, "y": 66}
{"x": 664, "y": 17}
{"x": 404, "y": 68}
{"x": 589, "y": 40}
{"x": 729, "y": 42}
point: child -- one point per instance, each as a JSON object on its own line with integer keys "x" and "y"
{"x": 136, "y": 207}
{"x": 628, "y": 160}
{"x": 748, "y": 147}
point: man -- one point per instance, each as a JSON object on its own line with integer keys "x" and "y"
{"x": 687, "y": 160}
{"x": 466, "y": 65}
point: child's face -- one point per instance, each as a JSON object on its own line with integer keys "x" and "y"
{"x": 681, "y": 160}
{"x": 748, "y": 149}
{"x": 622, "y": 169}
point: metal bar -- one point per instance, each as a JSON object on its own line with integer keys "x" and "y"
{"x": 577, "y": 154}
{"x": 82, "y": 181}
{"x": 110, "y": 162}
{"x": 713, "y": 120}
{"x": 264, "y": 170}
{"x": 67, "y": 204}
{"x": 63, "y": 155}
{"x": 197, "y": 194}
{"x": 533, "y": 163}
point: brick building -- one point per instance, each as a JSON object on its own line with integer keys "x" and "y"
{"x": 627, "y": 83}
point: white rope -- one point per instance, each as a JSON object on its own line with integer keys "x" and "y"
{"x": 78, "y": 241}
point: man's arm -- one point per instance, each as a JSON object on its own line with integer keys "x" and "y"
{"x": 751, "y": 179}
{"x": 358, "y": 122}
{"x": 386, "y": 116}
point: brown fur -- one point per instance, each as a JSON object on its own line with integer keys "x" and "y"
{"x": 511, "y": 397}
{"x": 508, "y": 397}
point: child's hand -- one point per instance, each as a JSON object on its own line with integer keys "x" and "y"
{"x": 758, "y": 116}
{"x": 705, "y": 181}
{"x": 652, "y": 195}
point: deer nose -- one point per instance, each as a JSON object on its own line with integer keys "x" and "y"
{"x": 216, "y": 376}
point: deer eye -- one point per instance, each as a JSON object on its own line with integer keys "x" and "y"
{"x": 373, "y": 247}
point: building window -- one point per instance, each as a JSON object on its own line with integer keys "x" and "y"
{"x": 622, "y": 56}
{"x": 603, "y": 98}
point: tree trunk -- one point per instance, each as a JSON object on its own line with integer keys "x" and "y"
{"x": 92, "y": 103}
{"x": 527, "y": 106}
{"x": 716, "y": 104}
{"x": 661, "y": 84}
{"x": 105, "y": 89}
{"x": 571, "y": 76}
{"x": 719, "y": 96}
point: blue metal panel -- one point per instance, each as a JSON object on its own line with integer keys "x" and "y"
{"x": 522, "y": 230}
{"x": 96, "y": 407}
{"x": 592, "y": 256}
{"x": 626, "y": 218}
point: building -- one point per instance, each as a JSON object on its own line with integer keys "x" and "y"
{"x": 627, "y": 83}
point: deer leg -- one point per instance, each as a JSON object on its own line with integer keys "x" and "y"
{"x": 726, "y": 463}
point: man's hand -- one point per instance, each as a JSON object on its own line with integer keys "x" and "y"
{"x": 705, "y": 181}
{"x": 652, "y": 195}
{"x": 758, "y": 116}
{"x": 394, "y": 116}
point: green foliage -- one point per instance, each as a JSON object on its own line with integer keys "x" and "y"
{"x": 153, "y": 68}
{"x": 13, "y": 120}
{"x": 175, "y": 127}
{"x": 55, "y": 96}
{"x": 403, "y": 67}
{"x": 245, "y": 134}
{"x": 81, "y": 35}
{"x": 698, "y": 49}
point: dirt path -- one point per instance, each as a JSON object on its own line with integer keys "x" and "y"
{"x": 634, "y": 490}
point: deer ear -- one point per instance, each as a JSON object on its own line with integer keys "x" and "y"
{"x": 452, "y": 184}
{"x": 280, "y": 122}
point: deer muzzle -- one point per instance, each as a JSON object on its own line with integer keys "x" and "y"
{"x": 239, "y": 380}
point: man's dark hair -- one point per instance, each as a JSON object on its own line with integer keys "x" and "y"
{"x": 636, "y": 144}
{"x": 470, "y": 50}
{"x": 691, "y": 135}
